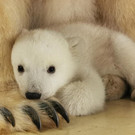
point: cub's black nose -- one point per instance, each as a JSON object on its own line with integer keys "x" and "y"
{"x": 30, "y": 95}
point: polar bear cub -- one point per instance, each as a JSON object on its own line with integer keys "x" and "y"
{"x": 68, "y": 61}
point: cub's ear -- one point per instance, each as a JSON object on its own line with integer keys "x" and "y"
{"x": 75, "y": 41}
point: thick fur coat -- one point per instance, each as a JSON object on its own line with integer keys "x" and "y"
{"x": 16, "y": 15}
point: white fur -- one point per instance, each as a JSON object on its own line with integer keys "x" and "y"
{"x": 82, "y": 54}
{"x": 50, "y": 12}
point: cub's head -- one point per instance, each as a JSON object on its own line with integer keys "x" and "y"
{"x": 42, "y": 63}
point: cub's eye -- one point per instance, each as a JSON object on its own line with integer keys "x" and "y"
{"x": 20, "y": 69}
{"x": 51, "y": 70}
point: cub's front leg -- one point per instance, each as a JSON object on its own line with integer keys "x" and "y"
{"x": 84, "y": 96}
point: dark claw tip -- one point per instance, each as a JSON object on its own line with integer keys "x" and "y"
{"x": 48, "y": 108}
{"x": 60, "y": 109}
{"x": 33, "y": 115}
{"x": 7, "y": 115}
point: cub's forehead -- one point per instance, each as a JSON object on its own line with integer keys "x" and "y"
{"x": 40, "y": 45}
{"x": 39, "y": 40}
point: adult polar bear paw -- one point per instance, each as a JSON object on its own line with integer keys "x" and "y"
{"x": 18, "y": 114}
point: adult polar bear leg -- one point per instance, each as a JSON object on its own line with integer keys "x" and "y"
{"x": 19, "y": 114}
{"x": 84, "y": 96}
{"x": 124, "y": 58}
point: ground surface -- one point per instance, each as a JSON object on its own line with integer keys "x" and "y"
{"x": 118, "y": 118}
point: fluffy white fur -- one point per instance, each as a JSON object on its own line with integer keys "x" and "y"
{"x": 82, "y": 54}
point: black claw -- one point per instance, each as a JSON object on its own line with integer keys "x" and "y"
{"x": 33, "y": 115}
{"x": 7, "y": 115}
{"x": 48, "y": 108}
{"x": 59, "y": 108}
